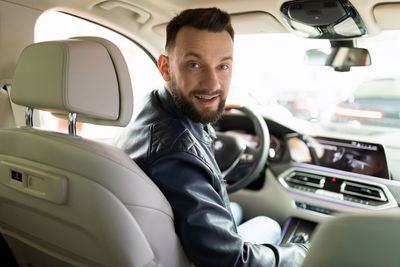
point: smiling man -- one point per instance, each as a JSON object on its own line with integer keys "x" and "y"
{"x": 198, "y": 72}
{"x": 171, "y": 140}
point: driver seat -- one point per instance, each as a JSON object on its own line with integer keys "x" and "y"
{"x": 69, "y": 201}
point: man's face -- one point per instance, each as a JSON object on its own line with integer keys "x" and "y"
{"x": 199, "y": 72}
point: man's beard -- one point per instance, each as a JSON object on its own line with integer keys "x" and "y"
{"x": 187, "y": 108}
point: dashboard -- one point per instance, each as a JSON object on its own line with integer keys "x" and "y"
{"x": 325, "y": 170}
{"x": 310, "y": 179}
{"x": 345, "y": 155}
{"x": 352, "y": 156}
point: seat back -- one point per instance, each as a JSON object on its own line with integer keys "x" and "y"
{"x": 69, "y": 201}
{"x": 357, "y": 241}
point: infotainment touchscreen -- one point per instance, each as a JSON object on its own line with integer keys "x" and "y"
{"x": 352, "y": 156}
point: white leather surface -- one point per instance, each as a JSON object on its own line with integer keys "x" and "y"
{"x": 67, "y": 76}
{"x": 114, "y": 214}
{"x": 105, "y": 164}
{"x": 87, "y": 76}
{"x": 79, "y": 202}
{"x": 124, "y": 83}
{"x": 357, "y": 241}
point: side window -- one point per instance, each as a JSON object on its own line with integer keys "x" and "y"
{"x": 142, "y": 68}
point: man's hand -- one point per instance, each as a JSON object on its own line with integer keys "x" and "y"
{"x": 228, "y": 108}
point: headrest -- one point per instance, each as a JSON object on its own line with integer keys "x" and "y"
{"x": 83, "y": 75}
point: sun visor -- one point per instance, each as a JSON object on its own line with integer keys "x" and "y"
{"x": 245, "y": 23}
{"x": 387, "y": 16}
{"x": 256, "y": 22}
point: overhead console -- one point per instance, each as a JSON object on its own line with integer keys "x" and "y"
{"x": 338, "y": 170}
{"x": 323, "y": 19}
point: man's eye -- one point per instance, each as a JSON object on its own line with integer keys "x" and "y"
{"x": 194, "y": 65}
{"x": 223, "y": 67}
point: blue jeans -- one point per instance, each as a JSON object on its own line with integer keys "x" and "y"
{"x": 258, "y": 230}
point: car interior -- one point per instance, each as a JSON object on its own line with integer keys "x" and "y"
{"x": 321, "y": 161}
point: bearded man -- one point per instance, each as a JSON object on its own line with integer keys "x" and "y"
{"x": 171, "y": 140}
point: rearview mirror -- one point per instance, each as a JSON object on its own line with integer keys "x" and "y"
{"x": 339, "y": 58}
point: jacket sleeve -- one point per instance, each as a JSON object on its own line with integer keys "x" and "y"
{"x": 204, "y": 224}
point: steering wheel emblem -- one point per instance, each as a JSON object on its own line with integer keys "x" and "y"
{"x": 218, "y": 145}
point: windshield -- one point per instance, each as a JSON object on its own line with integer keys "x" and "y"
{"x": 270, "y": 73}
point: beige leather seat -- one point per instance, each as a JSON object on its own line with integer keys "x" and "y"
{"x": 68, "y": 201}
{"x": 361, "y": 240}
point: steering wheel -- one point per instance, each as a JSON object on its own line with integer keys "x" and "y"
{"x": 239, "y": 161}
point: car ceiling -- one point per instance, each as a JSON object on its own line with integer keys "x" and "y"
{"x": 145, "y": 21}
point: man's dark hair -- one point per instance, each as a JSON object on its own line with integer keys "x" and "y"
{"x": 210, "y": 19}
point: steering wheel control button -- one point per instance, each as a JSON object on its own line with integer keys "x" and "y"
{"x": 246, "y": 158}
{"x": 218, "y": 145}
{"x": 272, "y": 152}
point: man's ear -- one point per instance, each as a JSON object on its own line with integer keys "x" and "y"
{"x": 163, "y": 67}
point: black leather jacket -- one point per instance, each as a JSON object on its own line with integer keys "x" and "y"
{"x": 177, "y": 154}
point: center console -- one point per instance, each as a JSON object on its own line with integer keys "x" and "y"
{"x": 346, "y": 172}
{"x": 297, "y": 231}
{"x": 330, "y": 176}
{"x": 335, "y": 186}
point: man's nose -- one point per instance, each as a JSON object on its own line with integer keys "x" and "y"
{"x": 211, "y": 80}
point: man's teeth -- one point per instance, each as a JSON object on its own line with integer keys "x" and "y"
{"x": 205, "y": 97}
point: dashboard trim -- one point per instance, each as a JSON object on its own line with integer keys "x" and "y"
{"x": 347, "y": 174}
{"x": 381, "y": 197}
{"x": 391, "y": 202}
{"x": 305, "y": 209}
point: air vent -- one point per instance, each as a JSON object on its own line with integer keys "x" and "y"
{"x": 362, "y": 190}
{"x": 307, "y": 179}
